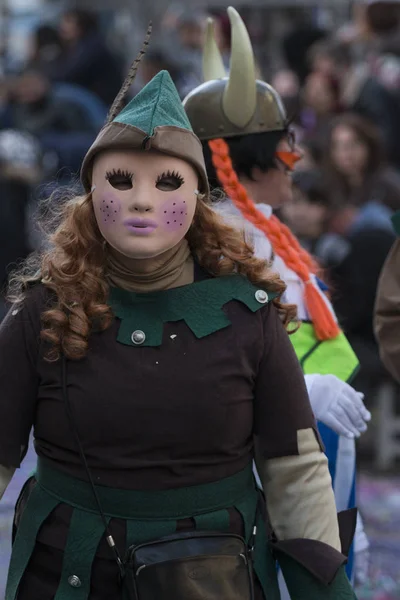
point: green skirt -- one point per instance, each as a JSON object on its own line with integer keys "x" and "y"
{"x": 148, "y": 515}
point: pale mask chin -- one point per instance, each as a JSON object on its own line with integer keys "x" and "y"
{"x": 144, "y": 202}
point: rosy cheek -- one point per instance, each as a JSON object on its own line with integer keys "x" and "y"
{"x": 109, "y": 207}
{"x": 174, "y": 214}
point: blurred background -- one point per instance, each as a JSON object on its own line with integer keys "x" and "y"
{"x": 336, "y": 63}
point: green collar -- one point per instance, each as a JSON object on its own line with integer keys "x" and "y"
{"x": 199, "y": 304}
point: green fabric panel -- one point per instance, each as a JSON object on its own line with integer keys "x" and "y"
{"x": 396, "y": 222}
{"x": 200, "y": 305}
{"x": 131, "y": 504}
{"x": 302, "y": 585}
{"x": 334, "y": 357}
{"x": 38, "y": 508}
{"x": 140, "y": 532}
{"x": 214, "y": 521}
{"x": 85, "y": 533}
{"x": 265, "y": 563}
{"x": 157, "y": 104}
{"x": 247, "y": 508}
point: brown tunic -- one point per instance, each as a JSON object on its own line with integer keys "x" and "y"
{"x": 154, "y": 417}
{"x": 151, "y": 418}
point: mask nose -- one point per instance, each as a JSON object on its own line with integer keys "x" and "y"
{"x": 141, "y": 204}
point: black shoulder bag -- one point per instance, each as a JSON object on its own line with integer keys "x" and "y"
{"x": 185, "y": 566}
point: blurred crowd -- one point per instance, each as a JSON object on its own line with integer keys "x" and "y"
{"x": 341, "y": 90}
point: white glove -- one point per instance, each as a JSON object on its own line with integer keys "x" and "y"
{"x": 337, "y": 405}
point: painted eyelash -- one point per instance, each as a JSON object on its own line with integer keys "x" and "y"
{"x": 169, "y": 173}
{"x": 120, "y": 173}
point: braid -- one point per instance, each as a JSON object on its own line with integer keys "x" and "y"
{"x": 283, "y": 242}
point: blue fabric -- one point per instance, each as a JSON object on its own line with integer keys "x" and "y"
{"x": 94, "y": 108}
{"x": 331, "y": 442}
{"x": 322, "y": 285}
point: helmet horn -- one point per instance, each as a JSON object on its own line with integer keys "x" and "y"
{"x": 213, "y": 65}
{"x": 240, "y": 100}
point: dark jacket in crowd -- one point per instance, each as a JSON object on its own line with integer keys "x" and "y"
{"x": 91, "y": 65}
{"x": 14, "y": 198}
{"x": 355, "y": 262}
{"x": 371, "y": 100}
{"x": 381, "y": 186}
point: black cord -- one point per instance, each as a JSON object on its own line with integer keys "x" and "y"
{"x": 110, "y": 539}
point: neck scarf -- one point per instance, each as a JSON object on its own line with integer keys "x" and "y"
{"x": 173, "y": 268}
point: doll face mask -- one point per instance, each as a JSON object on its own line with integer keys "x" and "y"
{"x": 144, "y": 202}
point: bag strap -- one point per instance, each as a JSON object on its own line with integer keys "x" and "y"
{"x": 109, "y": 537}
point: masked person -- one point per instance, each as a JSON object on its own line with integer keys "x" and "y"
{"x": 148, "y": 349}
{"x": 250, "y": 152}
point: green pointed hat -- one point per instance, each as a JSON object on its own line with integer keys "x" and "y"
{"x": 153, "y": 119}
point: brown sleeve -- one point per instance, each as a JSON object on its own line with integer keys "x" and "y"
{"x": 282, "y": 406}
{"x": 19, "y": 349}
{"x": 289, "y": 456}
{"x": 387, "y": 312}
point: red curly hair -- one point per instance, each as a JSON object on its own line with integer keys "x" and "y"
{"x": 283, "y": 242}
{"x": 74, "y": 268}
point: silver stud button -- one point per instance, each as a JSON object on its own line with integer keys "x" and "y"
{"x": 261, "y": 296}
{"x": 138, "y": 337}
{"x": 74, "y": 581}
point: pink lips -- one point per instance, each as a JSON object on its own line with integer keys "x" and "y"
{"x": 141, "y": 226}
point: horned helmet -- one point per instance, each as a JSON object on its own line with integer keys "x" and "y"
{"x": 238, "y": 104}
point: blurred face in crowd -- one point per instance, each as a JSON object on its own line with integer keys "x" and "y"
{"x": 324, "y": 65}
{"x": 318, "y": 94}
{"x": 30, "y": 88}
{"x": 305, "y": 218}
{"x": 144, "y": 202}
{"x": 191, "y": 35}
{"x": 274, "y": 186}
{"x": 349, "y": 154}
{"x": 286, "y": 83}
{"x": 69, "y": 28}
{"x": 342, "y": 219}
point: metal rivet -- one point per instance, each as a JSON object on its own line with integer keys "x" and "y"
{"x": 138, "y": 337}
{"x": 74, "y": 581}
{"x": 261, "y": 296}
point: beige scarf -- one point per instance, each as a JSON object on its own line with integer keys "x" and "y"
{"x": 171, "y": 269}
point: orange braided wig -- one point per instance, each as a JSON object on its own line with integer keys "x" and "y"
{"x": 283, "y": 242}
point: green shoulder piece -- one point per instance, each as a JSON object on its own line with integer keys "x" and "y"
{"x": 333, "y": 357}
{"x": 200, "y": 305}
{"x": 396, "y": 222}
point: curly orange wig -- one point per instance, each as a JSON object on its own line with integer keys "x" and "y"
{"x": 74, "y": 268}
{"x": 282, "y": 240}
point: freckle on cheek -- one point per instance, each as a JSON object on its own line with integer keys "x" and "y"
{"x": 174, "y": 214}
{"x": 109, "y": 208}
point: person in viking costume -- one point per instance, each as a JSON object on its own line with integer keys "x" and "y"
{"x": 250, "y": 153}
{"x": 148, "y": 349}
